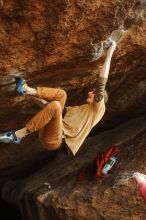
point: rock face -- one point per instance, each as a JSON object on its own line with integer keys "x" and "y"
{"x": 49, "y": 43}
{"x": 53, "y": 192}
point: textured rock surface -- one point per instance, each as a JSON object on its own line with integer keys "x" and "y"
{"x": 53, "y": 192}
{"x": 48, "y": 42}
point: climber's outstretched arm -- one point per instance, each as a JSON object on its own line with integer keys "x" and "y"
{"x": 106, "y": 67}
{"x": 103, "y": 76}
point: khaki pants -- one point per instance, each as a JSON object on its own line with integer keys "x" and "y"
{"x": 49, "y": 120}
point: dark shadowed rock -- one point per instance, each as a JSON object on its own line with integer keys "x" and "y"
{"x": 49, "y": 43}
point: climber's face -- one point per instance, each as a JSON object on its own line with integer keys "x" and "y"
{"x": 90, "y": 97}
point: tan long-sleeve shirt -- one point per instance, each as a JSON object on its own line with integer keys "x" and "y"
{"x": 79, "y": 120}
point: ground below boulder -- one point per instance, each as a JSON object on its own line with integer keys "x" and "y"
{"x": 54, "y": 193}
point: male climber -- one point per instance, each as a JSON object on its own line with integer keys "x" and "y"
{"x": 77, "y": 121}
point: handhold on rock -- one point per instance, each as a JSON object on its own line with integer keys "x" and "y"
{"x": 99, "y": 48}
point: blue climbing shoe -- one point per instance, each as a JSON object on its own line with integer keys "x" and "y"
{"x": 20, "y": 85}
{"x": 9, "y": 137}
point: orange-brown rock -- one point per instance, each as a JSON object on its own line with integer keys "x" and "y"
{"x": 49, "y": 43}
